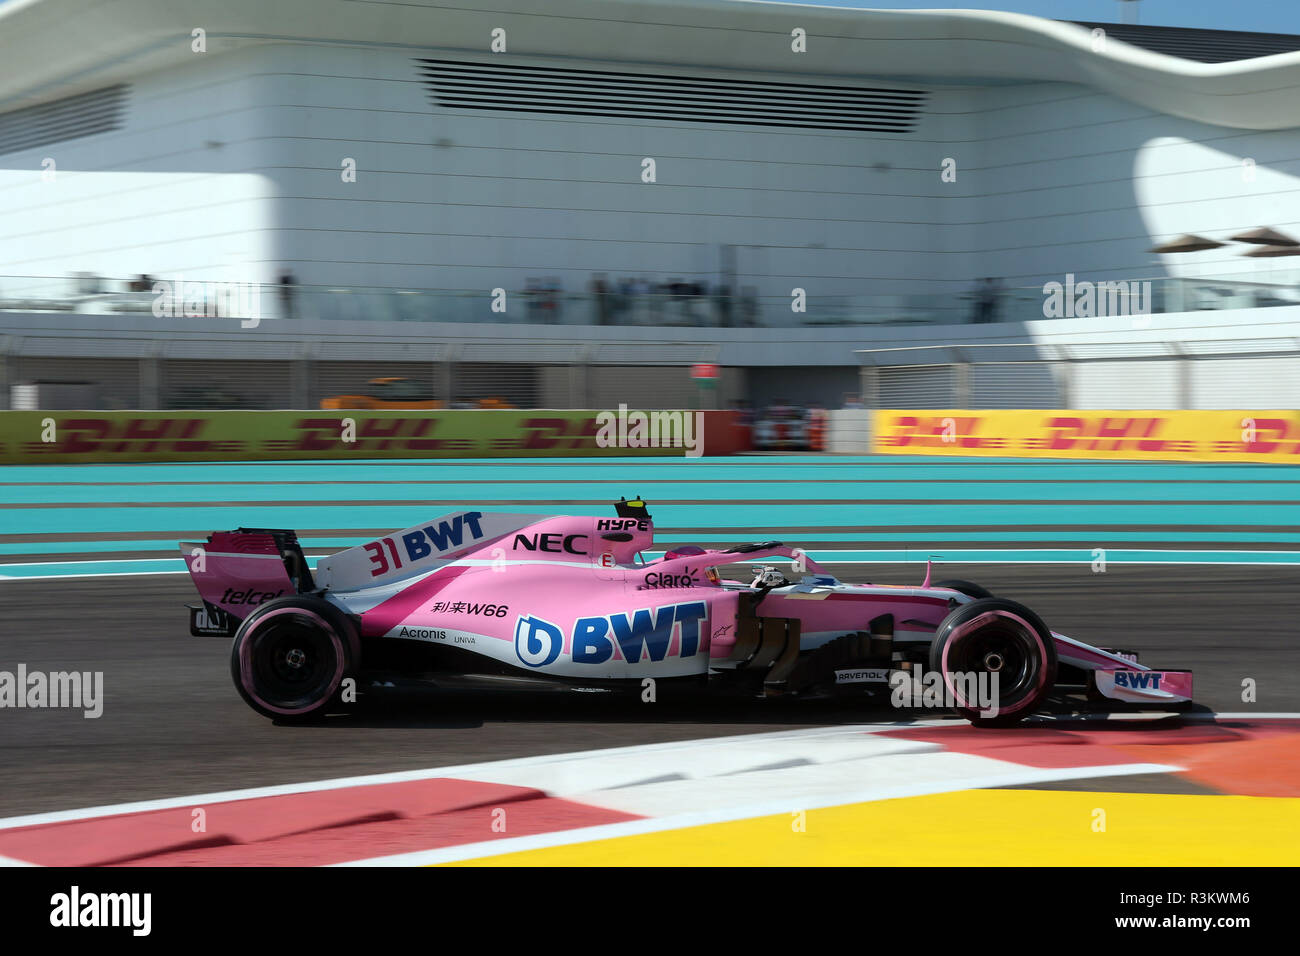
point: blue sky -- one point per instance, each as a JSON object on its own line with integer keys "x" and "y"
{"x": 1264, "y": 16}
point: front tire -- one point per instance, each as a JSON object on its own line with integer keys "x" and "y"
{"x": 995, "y": 638}
{"x": 290, "y": 656}
{"x": 968, "y": 588}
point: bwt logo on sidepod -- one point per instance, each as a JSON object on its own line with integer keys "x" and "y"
{"x": 539, "y": 642}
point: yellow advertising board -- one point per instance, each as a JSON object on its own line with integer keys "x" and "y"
{"x": 1234, "y": 435}
{"x": 53, "y": 437}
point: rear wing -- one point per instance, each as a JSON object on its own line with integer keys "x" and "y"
{"x": 236, "y": 571}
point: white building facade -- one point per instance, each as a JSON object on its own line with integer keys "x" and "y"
{"x": 810, "y": 166}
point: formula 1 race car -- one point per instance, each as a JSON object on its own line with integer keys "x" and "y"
{"x": 494, "y": 600}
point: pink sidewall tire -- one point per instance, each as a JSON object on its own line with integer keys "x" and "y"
{"x": 995, "y": 637}
{"x": 290, "y": 657}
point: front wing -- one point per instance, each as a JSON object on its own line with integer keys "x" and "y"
{"x": 1118, "y": 676}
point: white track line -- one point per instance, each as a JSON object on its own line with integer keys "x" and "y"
{"x": 496, "y": 768}
{"x": 459, "y": 770}
{"x": 1240, "y": 715}
{"x": 468, "y": 851}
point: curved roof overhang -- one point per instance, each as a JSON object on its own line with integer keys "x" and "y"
{"x": 55, "y": 47}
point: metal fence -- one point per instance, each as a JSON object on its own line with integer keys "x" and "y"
{"x": 1259, "y": 373}
{"x": 1155, "y": 375}
{"x": 54, "y": 382}
{"x": 692, "y": 304}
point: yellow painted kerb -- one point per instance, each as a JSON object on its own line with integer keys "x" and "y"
{"x": 970, "y": 828}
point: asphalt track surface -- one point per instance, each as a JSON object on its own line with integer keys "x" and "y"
{"x": 174, "y": 725}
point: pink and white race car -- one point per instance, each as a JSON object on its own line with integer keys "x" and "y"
{"x": 497, "y": 600}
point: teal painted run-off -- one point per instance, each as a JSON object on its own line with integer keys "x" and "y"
{"x": 52, "y": 513}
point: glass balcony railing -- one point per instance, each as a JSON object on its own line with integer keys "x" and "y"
{"x": 687, "y": 306}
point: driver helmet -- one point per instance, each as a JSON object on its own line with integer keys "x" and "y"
{"x": 685, "y": 551}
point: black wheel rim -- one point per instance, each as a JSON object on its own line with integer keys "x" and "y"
{"x": 294, "y": 663}
{"x": 1003, "y": 647}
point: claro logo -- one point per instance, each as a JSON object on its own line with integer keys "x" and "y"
{"x": 654, "y": 580}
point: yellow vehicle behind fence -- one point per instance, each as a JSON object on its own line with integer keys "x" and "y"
{"x": 399, "y": 393}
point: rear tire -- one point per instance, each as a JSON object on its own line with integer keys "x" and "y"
{"x": 995, "y": 636}
{"x": 290, "y": 656}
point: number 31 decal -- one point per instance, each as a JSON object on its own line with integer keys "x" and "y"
{"x": 378, "y": 560}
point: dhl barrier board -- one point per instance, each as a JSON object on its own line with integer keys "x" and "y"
{"x": 1232, "y": 435}
{"x": 40, "y": 437}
